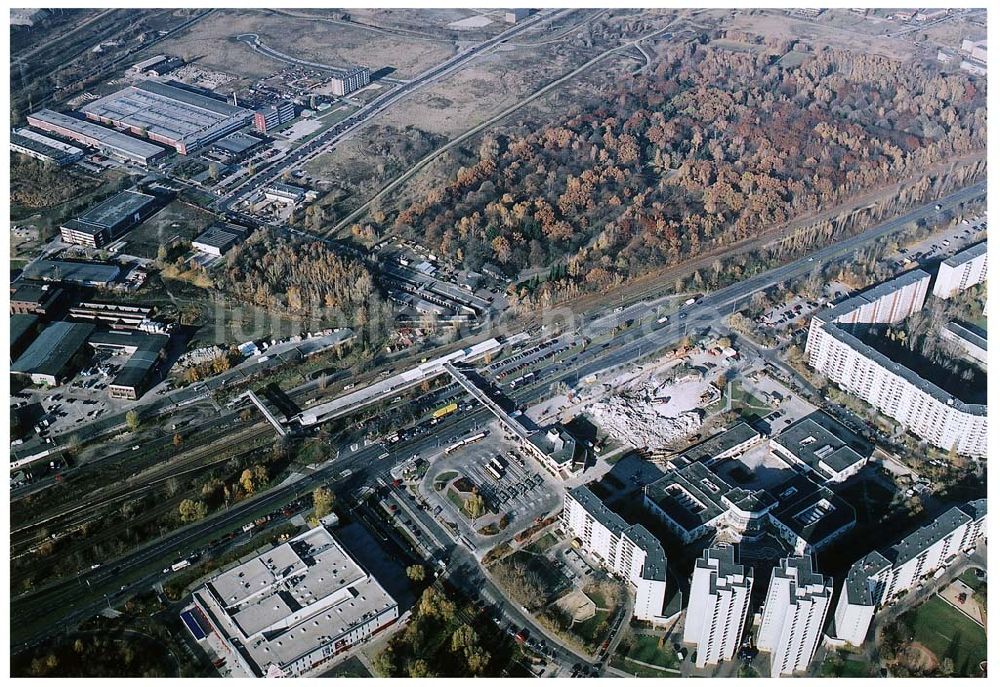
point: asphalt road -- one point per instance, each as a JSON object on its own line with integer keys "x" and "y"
{"x": 366, "y": 466}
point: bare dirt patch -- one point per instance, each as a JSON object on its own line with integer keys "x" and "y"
{"x": 460, "y": 102}
{"x": 836, "y": 30}
{"x": 433, "y": 23}
{"x": 577, "y": 605}
{"x": 207, "y": 43}
{"x": 970, "y": 607}
{"x": 342, "y": 43}
{"x": 917, "y": 657}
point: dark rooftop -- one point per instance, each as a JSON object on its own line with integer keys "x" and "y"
{"x": 871, "y": 295}
{"x": 817, "y": 447}
{"x": 963, "y": 256}
{"x": 116, "y": 209}
{"x": 64, "y": 270}
{"x": 969, "y": 332}
{"x": 912, "y": 545}
{"x": 811, "y": 511}
{"x": 221, "y": 235}
{"x": 917, "y": 541}
{"x": 39, "y": 294}
{"x": 53, "y": 349}
{"x": 145, "y": 356}
{"x": 722, "y": 560}
{"x": 655, "y": 565}
{"x": 20, "y": 325}
{"x": 716, "y": 445}
{"x": 237, "y": 142}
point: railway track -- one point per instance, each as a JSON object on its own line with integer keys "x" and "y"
{"x": 192, "y": 462}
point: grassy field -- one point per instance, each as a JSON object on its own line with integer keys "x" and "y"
{"x": 734, "y": 46}
{"x": 793, "y": 59}
{"x": 969, "y": 578}
{"x": 542, "y": 544}
{"x": 591, "y": 630}
{"x": 742, "y": 401}
{"x": 843, "y": 664}
{"x": 949, "y": 634}
{"x": 646, "y": 648}
{"x": 857, "y": 668}
{"x": 178, "y": 220}
{"x": 457, "y": 499}
{"x": 444, "y": 478}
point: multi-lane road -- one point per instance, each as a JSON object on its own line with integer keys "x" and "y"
{"x": 66, "y": 605}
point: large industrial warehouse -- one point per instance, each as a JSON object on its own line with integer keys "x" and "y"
{"x": 108, "y": 220}
{"x": 114, "y": 144}
{"x": 168, "y": 114}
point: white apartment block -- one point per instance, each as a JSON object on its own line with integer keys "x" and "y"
{"x": 351, "y": 80}
{"x": 962, "y": 270}
{"x": 794, "y": 612}
{"x": 717, "y": 605}
{"x": 627, "y": 551}
{"x": 879, "y": 578}
{"x": 969, "y": 339}
{"x": 897, "y": 391}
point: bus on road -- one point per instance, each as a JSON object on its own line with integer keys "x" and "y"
{"x": 445, "y": 410}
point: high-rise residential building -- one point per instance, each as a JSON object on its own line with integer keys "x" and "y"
{"x": 627, "y": 551}
{"x": 924, "y": 408}
{"x": 969, "y": 338}
{"x": 717, "y": 605}
{"x": 350, "y": 80}
{"x": 962, "y": 270}
{"x": 794, "y": 612}
{"x": 881, "y": 576}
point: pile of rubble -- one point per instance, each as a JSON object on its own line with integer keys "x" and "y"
{"x": 640, "y": 417}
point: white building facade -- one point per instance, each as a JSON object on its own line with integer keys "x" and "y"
{"x": 962, "y": 270}
{"x": 292, "y": 609}
{"x": 626, "y": 551}
{"x": 797, "y": 602}
{"x": 350, "y": 80}
{"x": 717, "y": 605}
{"x": 879, "y": 578}
{"x": 897, "y": 391}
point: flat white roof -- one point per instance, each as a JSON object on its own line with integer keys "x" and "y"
{"x": 292, "y": 599}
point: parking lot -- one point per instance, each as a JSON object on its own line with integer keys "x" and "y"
{"x": 942, "y": 243}
{"x": 61, "y": 409}
{"x": 799, "y": 307}
{"x": 791, "y": 408}
{"x": 514, "y": 370}
{"x": 522, "y": 492}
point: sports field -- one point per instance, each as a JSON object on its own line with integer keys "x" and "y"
{"x": 949, "y": 634}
